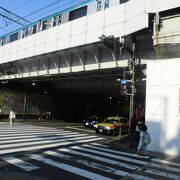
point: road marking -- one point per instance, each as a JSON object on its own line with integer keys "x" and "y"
{"x": 69, "y": 168}
{"x": 97, "y": 157}
{"x": 111, "y": 155}
{"x": 140, "y": 177}
{"x": 19, "y": 134}
{"x": 165, "y": 168}
{"x": 70, "y": 142}
{"x": 41, "y": 138}
{"x": 165, "y": 162}
{"x": 88, "y": 163}
{"x": 79, "y": 129}
{"x": 19, "y": 163}
{"x": 114, "y": 151}
{"x": 102, "y": 145}
{"x": 44, "y": 141}
{"x": 164, "y": 174}
{"x": 31, "y": 136}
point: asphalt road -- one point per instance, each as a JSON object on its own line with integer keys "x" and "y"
{"x": 60, "y": 150}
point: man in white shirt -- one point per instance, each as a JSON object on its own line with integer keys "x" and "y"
{"x": 12, "y": 116}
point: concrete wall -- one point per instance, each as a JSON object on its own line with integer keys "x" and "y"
{"x": 163, "y": 105}
{"x": 118, "y": 21}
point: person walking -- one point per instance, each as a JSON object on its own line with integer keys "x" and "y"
{"x": 12, "y": 116}
{"x": 145, "y": 140}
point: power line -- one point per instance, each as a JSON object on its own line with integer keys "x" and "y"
{"x": 41, "y": 14}
{"x": 22, "y": 5}
{"x": 37, "y": 11}
{"x": 11, "y": 17}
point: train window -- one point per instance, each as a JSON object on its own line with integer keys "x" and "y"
{"x": 3, "y": 41}
{"x": 106, "y": 4}
{"x": 123, "y": 1}
{"x": 78, "y": 13}
{"x": 59, "y": 19}
{"x": 24, "y": 33}
{"x": 54, "y": 21}
{"x": 34, "y": 28}
{"x": 13, "y": 37}
{"x": 98, "y": 5}
{"x": 44, "y": 25}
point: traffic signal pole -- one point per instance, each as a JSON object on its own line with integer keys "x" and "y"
{"x": 113, "y": 43}
{"x": 131, "y": 109}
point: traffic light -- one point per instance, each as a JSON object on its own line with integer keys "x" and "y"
{"x": 124, "y": 86}
{"x": 109, "y": 42}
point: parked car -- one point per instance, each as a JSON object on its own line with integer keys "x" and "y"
{"x": 113, "y": 126}
{"x": 91, "y": 121}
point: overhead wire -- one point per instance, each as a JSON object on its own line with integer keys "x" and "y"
{"x": 45, "y": 13}
{"x": 36, "y": 11}
{"x": 22, "y": 5}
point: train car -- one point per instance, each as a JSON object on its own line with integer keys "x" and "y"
{"x": 77, "y": 11}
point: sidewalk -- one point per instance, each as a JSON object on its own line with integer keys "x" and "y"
{"x": 123, "y": 144}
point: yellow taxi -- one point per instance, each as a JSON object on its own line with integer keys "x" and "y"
{"x": 113, "y": 126}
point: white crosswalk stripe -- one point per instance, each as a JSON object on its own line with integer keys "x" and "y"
{"x": 106, "y": 163}
{"x": 91, "y": 160}
{"x": 27, "y": 137}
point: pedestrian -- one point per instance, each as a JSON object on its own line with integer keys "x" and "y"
{"x": 12, "y": 116}
{"x": 137, "y": 132}
{"x": 144, "y": 140}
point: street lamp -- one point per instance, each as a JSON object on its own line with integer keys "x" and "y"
{"x": 113, "y": 44}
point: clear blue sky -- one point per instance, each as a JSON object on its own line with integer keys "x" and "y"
{"x": 26, "y": 7}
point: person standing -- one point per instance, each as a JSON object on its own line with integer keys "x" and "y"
{"x": 144, "y": 140}
{"x": 12, "y": 116}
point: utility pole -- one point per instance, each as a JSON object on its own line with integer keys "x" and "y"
{"x": 112, "y": 44}
{"x": 11, "y": 17}
{"x": 131, "y": 110}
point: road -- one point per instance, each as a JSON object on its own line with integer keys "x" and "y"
{"x": 57, "y": 150}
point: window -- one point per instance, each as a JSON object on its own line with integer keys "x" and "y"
{"x": 13, "y": 37}
{"x": 98, "y": 5}
{"x": 59, "y": 19}
{"x": 106, "y": 4}
{"x": 34, "y": 29}
{"x": 24, "y": 33}
{"x": 75, "y": 14}
{"x": 44, "y": 25}
{"x": 123, "y": 1}
{"x": 3, "y": 41}
{"x": 54, "y": 21}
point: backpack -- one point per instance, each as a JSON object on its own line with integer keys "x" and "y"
{"x": 147, "y": 138}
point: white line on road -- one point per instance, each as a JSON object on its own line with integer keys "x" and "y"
{"x": 97, "y": 157}
{"x": 19, "y": 163}
{"x": 69, "y": 168}
{"x": 28, "y": 133}
{"x": 164, "y": 174}
{"x": 111, "y": 155}
{"x": 79, "y": 129}
{"x": 44, "y": 141}
{"x": 42, "y": 138}
{"x": 165, "y": 162}
{"x": 72, "y": 141}
{"x": 88, "y": 163}
{"x": 31, "y": 136}
{"x": 117, "y": 152}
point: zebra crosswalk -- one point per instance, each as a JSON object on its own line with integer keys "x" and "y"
{"x": 22, "y": 137}
{"x": 95, "y": 161}
{"x": 83, "y": 158}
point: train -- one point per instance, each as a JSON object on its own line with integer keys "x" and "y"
{"x": 77, "y": 11}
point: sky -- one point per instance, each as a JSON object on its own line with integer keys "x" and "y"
{"x": 26, "y": 9}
